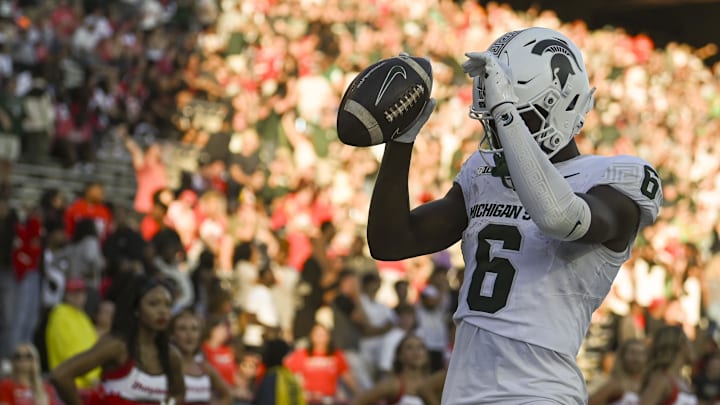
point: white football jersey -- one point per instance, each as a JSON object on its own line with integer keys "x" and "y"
{"x": 524, "y": 285}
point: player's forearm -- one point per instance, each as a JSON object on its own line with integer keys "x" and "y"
{"x": 545, "y": 194}
{"x": 389, "y": 216}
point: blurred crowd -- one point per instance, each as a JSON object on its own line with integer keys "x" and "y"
{"x": 260, "y": 221}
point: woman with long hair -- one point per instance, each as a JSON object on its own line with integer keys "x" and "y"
{"x": 411, "y": 368}
{"x": 139, "y": 364}
{"x": 321, "y": 366}
{"x": 203, "y": 384}
{"x": 664, "y": 382}
{"x": 25, "y": 386}
{"x": 623, "y": 386}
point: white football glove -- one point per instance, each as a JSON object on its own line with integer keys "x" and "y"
{"x": 411, "y": 133}
{"x": 497, "y": 78}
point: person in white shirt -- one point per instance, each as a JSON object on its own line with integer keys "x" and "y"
{"x": 168, "y": 248}
{"x": 285, "y": 290}
{"x": 433, "y": 325}
{"x": 406, "y": 322}
{"x": 262, "y": 315}
{"x": 379, "y": 316}
{"x": 86, "y": 38}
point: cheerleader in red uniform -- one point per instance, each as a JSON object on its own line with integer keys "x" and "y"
{"x": 203, "y": 384}
{"x": 139, "y": 365}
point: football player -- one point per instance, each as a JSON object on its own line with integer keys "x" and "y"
{"x": 544, "y": 229}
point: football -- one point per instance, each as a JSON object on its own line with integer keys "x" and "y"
{"x": 384, "y": 100}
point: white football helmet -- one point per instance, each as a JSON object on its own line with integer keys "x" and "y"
{"x": 551, "y": 83}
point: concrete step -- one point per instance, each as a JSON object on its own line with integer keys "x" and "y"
{"x": 29, "y": 181}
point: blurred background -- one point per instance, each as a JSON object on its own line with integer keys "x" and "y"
{"x": 199, "y": 138}
{"x": 689, "y": 21}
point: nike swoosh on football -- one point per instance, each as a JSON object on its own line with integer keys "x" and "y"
{"x": 394, "y": 71}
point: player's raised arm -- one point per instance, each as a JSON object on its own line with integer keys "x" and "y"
{"x": 389, "y": 102}
{"x": 395, "y": 232}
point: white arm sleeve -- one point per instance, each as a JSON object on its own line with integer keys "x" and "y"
{"x": 545, "y": 194}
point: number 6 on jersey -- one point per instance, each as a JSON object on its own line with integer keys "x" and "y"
{"x": 492, "y": 278}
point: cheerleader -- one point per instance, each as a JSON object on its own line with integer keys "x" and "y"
{"x": 139, "y": 365}
{"x": 203, "y": 384}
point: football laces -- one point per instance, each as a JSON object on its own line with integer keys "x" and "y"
{"x": 409, "y": 99}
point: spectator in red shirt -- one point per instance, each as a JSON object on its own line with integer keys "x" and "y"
{"x": 26, "y": 386}
{"x": 64, "y": 19}
{"x": 321, "y": 367}
{"x": 156, "y": 219}
{"x": 90, "y": 205}
{"x": 26, "y": 253}
{"x": 28, "y": 243}
{"x": 221, "y": 355}
{"x": 150, "y": 171}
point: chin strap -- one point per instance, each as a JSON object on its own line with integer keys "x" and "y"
{"x": 545, "y": 194}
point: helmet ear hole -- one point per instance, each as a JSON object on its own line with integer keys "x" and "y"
{"x": 549, "y": 101}
{"x": 552, "y": 143}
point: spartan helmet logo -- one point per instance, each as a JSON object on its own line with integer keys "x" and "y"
{"x": 560, "y": 64}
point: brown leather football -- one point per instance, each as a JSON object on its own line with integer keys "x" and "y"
{"x": 384, "y": 100}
